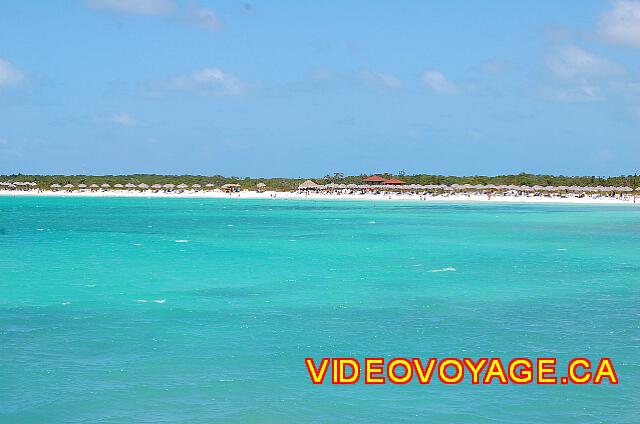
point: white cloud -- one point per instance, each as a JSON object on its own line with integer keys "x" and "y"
{"x": 621, "y": 25}
{"x": 206, "y": 81}
{"x": 626, "y": 89}
{"x": 496, "y": 66}
{"x": 122, "y": 119}
{"x": 204, "y": 18}
{"x": 634, "y": 88}
{"x": 10, "y": 76}
{"x": 582, "y": 92}
{"x": 136, "y": 7}
{"x": 573, "y": 63}
{"x": 438, "y": 83}
{"x": 380, "y": 80}
{"x": 580, "y": 76}
{"x": 194, "y": 15}
{"x": 321, "y": 74}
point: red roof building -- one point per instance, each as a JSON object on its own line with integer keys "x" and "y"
{"x": 375, "y": 179}
{"x": 394, "y": 181}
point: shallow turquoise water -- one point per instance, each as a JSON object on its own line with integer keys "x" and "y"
{"x": 262, "y": 284}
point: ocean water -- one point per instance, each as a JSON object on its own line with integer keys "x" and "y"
{"x": 202, "y": 311}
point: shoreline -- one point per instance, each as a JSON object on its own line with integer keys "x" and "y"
{"x": 462, "y": 198}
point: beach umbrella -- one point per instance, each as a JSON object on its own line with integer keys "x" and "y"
{"x": 195, "y": 186}
{"x": 55, "y": 185}
{"x": 68, "y": 186}
{"x": 169, "y": 186}
{"x": 182, "y": 186}
{"x": 210, "y": 185}
{"x": 490, "y": 187}
{"x": 118, "y": 185}
{"x": 231, "y": 185}
{"x": 156, "y": 186}
{"x": 309, "y": 184}
{"x": 129, "y": 185}
{"x": 143, "y": 186}
{"x": 82, "y": 186}
{"x": 261, "y": 185}
{"x": 105, "y": 185}
{"x": 93, "y": 186}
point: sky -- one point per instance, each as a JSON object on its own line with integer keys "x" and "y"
{"x": 309, "y": 88}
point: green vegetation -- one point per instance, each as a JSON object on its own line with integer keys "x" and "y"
{"x": 285, "y": 184}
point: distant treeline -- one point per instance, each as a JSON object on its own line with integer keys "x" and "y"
{"x": 45, "y": 181}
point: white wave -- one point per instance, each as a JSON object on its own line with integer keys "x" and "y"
{"x": 182, "y": 241}
{"x": 66, "y": 303}
{"x": 372, "y": 222}
{"x": 447, "y": 269}
{"x": 160, "y": 301}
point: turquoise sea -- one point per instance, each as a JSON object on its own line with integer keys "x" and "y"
{"x": 203, "y": 310}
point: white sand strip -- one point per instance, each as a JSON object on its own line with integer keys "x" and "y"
{"x": 621, "y": 200}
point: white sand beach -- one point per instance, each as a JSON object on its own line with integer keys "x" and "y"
{"x": 298, "y": 195}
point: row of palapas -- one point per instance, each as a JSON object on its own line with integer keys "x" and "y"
{"x": 23, "y": 185}
{"x": 310, "y": 185}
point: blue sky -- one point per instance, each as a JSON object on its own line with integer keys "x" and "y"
{"x": 306, "y": 88}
